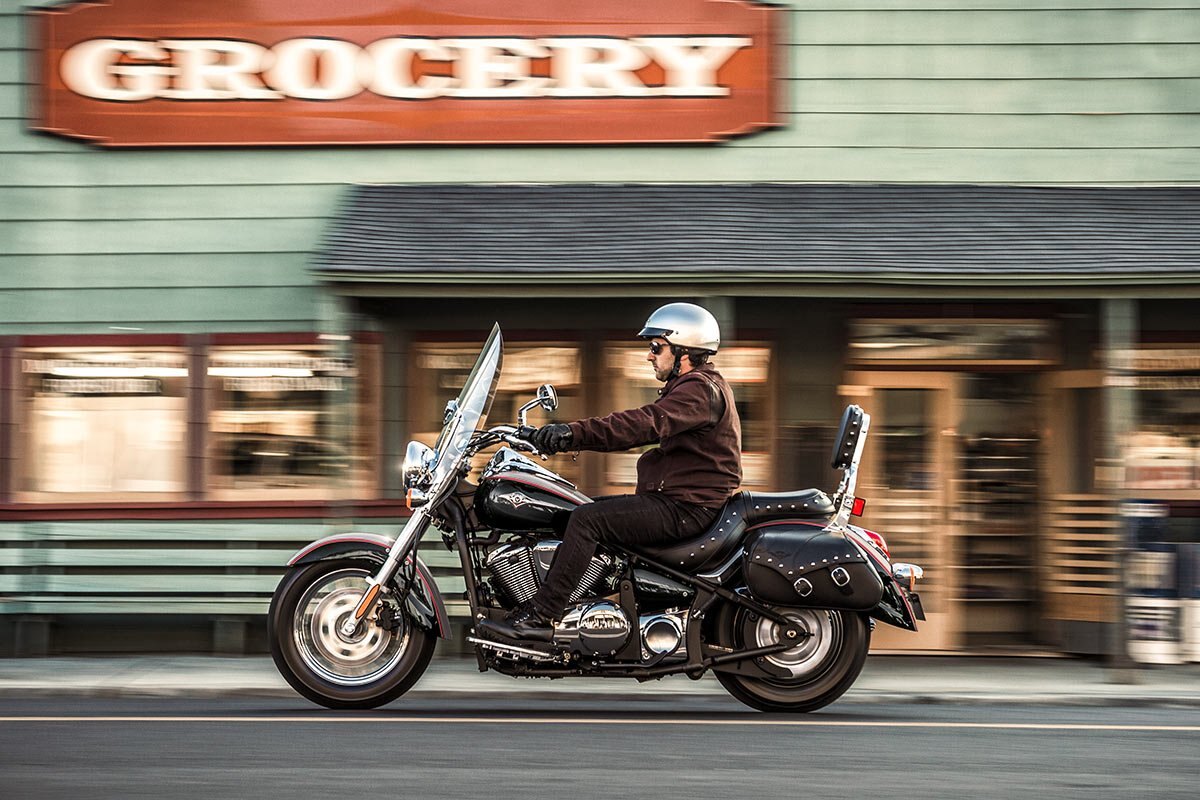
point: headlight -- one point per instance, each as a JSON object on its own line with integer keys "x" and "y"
{"x": 418, "y": 460}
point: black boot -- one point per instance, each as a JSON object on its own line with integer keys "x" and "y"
{"x": 522, "y": 623}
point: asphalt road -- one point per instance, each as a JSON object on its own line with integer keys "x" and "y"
{"x": 180, "y": 749}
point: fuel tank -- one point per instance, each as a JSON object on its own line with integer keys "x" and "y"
{"x": 515, "y": 494}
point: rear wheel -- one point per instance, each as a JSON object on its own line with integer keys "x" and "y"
{"x": 816, "y": 671}
{"x": 378, "y": 663}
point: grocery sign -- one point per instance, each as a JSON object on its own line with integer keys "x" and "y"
{"x": 147, "y": 73}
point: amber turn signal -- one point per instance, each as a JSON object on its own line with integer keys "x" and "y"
{"x": 415, "y": 499}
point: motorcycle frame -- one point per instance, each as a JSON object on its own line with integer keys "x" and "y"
{"x": 449, "y": 508}
{"x": 707, "y": 593}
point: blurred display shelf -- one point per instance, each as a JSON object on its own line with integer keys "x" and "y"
{"x": 998, "y": 523}
{"x": 997, "y": 600}
{"x": 1135, "y": 493}
{"x": 997, "y": 567}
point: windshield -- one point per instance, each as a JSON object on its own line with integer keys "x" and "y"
{"x": 473, "y": 403}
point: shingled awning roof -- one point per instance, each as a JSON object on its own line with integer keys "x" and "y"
{"x": 768, "y": 233}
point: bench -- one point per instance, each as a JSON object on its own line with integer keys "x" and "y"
{"x": 221, "y": 572}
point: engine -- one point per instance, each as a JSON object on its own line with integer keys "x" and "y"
{"x": 591, "y": 627}
{"x": 518, "y": 570}
{"x": 594, "y": 629}
{"x": 601, "y": 628}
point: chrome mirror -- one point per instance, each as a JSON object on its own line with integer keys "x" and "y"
{"x": 547, "y": 397}
{"x": 418, "y": 458}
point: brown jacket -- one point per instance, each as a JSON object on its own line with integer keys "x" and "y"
{"x": 696, "y": 425}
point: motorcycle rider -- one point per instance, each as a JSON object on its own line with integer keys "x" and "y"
{"x": 682, "y": 484}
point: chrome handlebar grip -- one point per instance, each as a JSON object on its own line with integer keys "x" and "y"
{"x": 508, "y": 435}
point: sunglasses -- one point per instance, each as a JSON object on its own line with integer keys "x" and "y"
{"x": 657, "y": 347}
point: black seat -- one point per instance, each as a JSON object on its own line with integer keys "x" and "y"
{"x": 802, "y": 504}
{"x": 744, "y": 509}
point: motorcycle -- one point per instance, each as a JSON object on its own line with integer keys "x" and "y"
{"x": 778, "y": 599}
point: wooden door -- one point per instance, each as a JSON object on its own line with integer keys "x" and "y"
{"x": 907, "y": 480}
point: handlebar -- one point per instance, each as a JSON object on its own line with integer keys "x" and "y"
{"x": 517, "y": 437}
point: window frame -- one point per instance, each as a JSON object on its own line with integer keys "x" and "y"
{"x": 17, "y": 441}
{"x": 770, "y": 408}
{"x": 365, "y": 485}
{"x": 574, "y": 469}
{"x": 198, "y": 499}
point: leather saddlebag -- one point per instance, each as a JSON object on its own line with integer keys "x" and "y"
{"x": 811, "y": 568}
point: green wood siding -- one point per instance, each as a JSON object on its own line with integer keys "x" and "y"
{"x": 181, "y": 270}
{"x": 299, "y": 201}
{"x": 151, "y": 305}
{"x": 862, "y": 162}
{"x": 973, "y": 91}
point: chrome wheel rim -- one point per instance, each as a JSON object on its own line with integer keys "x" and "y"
{"x": 367, "y": 655}
{"x": 824, "y": 633}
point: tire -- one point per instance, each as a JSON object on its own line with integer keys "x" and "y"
{"x": 368, "y": 670}
{"x": 823, "y": 666}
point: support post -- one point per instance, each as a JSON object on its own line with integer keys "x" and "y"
{"x": 335, "y": 327}
{"x": 1119, "y": 327}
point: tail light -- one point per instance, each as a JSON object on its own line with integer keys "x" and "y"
{"x": 879, "y": 542}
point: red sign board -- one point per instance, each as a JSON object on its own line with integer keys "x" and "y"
{"x": 309, "y": 72}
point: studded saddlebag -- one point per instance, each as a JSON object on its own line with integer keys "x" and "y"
{"x": 809, "y": 567}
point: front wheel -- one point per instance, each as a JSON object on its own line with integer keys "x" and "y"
{"x": 378, "y": 663}
{"x": 818, "y": 670}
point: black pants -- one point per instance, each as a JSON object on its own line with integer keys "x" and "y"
{"x": 630, "y": 519}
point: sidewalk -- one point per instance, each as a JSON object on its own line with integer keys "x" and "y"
{"x": 886, "y": 679}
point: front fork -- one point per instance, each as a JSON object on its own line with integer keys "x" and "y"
{"x": 405, "y": 543}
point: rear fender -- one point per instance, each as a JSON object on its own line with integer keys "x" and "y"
{"x": 424, "y": 601}
{"x": 895, "y": 608}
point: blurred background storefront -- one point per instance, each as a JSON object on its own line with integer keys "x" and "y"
{"x": 978, "y": 223}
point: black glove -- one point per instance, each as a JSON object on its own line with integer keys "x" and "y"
{"x": 551, "y": 439}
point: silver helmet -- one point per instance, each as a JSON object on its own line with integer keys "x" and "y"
{"x": 684, "y": 325}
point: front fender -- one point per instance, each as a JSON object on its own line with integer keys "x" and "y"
{"x": 424, "y": 601}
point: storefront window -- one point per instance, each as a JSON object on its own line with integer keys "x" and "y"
{"x": 918, "y": 341}
{"x": 1164, "y": 448}
{"x": 292, "y": 422}
{"x": 747, "y": 368}
{"x": 441, "y": 369}
{"x": 102, "y": 423}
